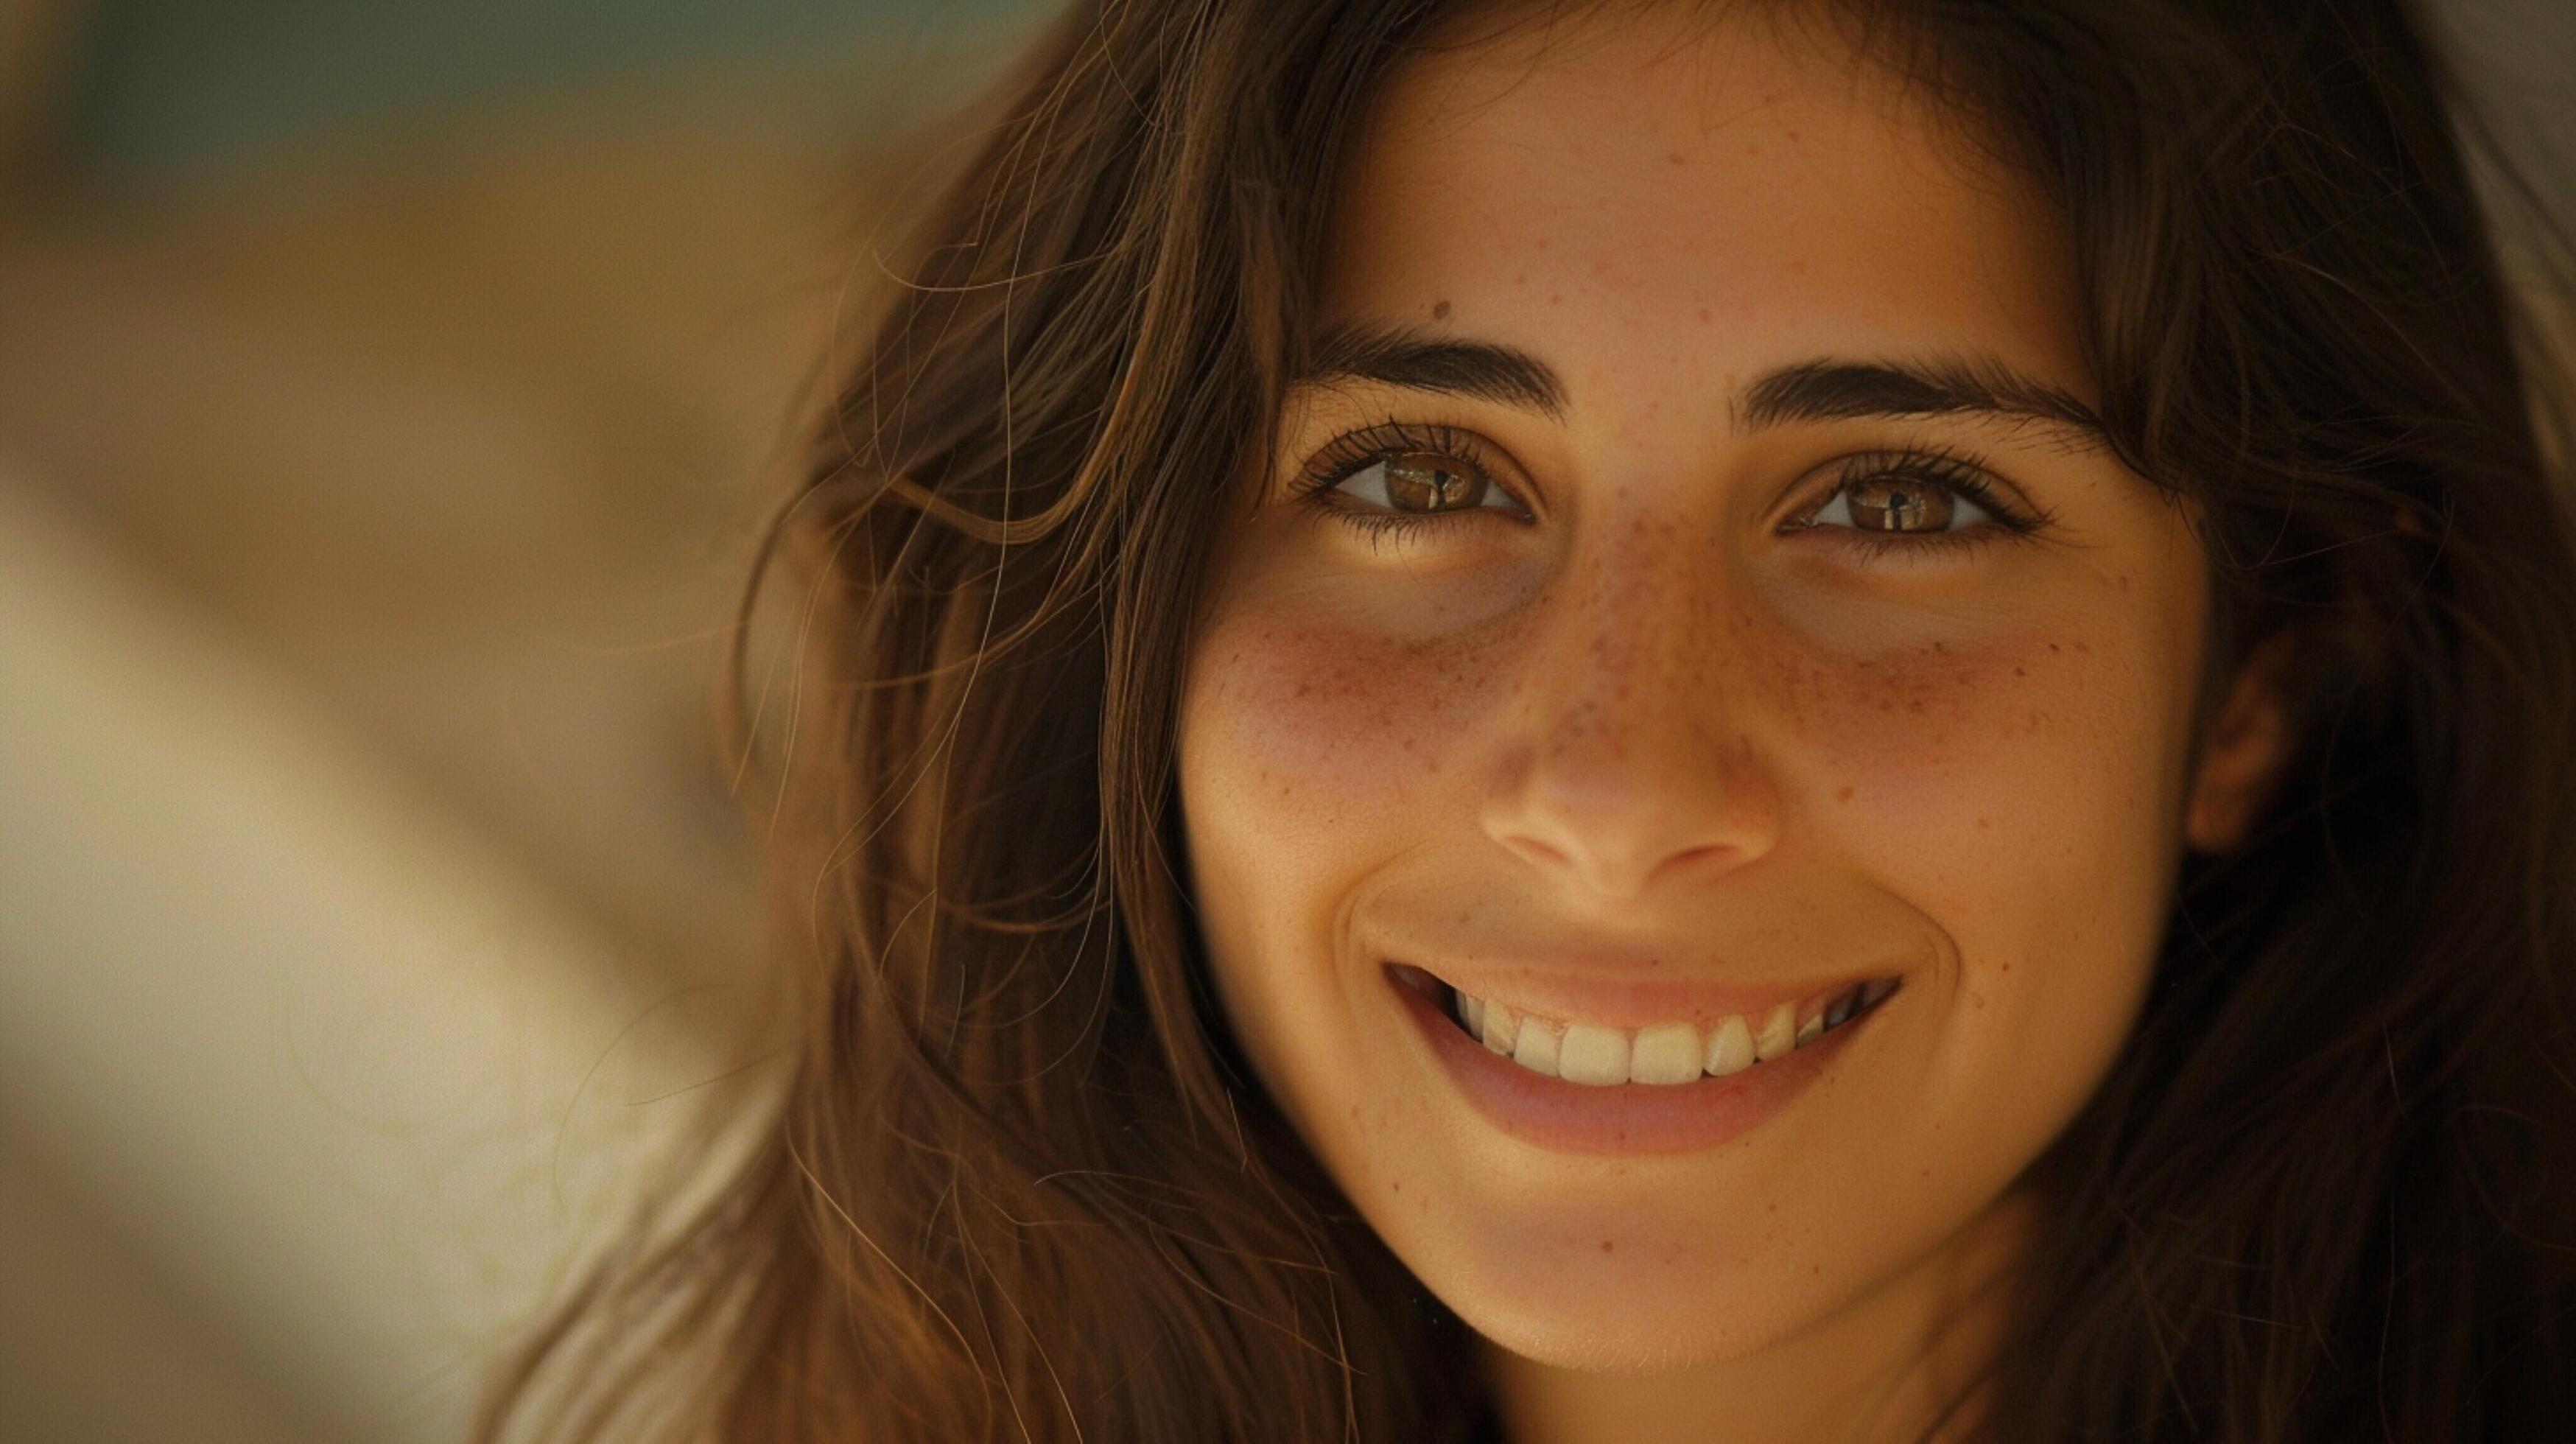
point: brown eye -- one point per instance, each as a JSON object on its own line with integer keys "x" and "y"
{"x": 1398, "y": 481}
{"x": 1917, "y": 504}
{"x": 1427, "y": 481}
{"x": 1902, "y": 504}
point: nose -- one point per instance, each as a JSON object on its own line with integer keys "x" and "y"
{"x": 1626, "y": 768}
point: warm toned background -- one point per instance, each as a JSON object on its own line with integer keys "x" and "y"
{"x": 389, "y": 392}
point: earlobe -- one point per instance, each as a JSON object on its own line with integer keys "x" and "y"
{"x": 2247, "y": 748}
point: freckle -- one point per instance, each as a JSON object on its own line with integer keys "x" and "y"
{"x": 1914, "y": 706}
{"x": 1605, "y": 1245}
{"x": 1703, "y": 315}
{"x": 1674, "y": 156}
{"x": 1399, "y": 1187}
{"x": 2124, "y": 581}
{"x": 1440, "y": 311}
{"x": 1554, "y": 296}
{"x": 2018, "y": 672}
{"x": 1305, "y": 687}
{"x": 1981, "y": 824}
{"x": 2006, "y": 968}
{"x": 1843, "y": 793}
{"x": 2052, "y": 646}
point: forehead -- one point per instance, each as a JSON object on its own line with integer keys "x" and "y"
{"x": 1652, "y": 187}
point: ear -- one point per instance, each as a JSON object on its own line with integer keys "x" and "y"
{"x": 2247, "y": 747}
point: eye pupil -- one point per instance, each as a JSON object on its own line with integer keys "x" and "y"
{"x": 1429, "y": 481}
{"x": 1898, "y": 504}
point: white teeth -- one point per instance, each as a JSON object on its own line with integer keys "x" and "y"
{"x": 1778, "y": 1035}
{"x": 1535, "y": 1049}
{"x": 1599, "y": 1055}
{"x": 1730, "y": 1048}
{"x": 1665, "y": 1053}
{"x": 1591, "y": 1053}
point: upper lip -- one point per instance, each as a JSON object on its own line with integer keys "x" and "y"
{"x": 1622, "y": 997}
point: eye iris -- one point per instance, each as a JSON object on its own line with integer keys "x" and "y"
{"x": 1428, "y": 481}
{"x": 1898, "y": 504}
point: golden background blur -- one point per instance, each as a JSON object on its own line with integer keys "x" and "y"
{"x": 390, "y": 395}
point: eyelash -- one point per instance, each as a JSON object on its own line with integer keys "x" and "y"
{"x": 1958, "y": 472}
{"x": 1353, "y": 452}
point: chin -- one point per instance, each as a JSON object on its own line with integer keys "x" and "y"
{"x": 1594, "y": 1332}
{"x": 1677, "y": 1292}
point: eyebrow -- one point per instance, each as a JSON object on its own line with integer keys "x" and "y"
{"x": 1823, "y": 389}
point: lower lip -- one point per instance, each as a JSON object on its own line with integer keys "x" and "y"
{"x": 1625, "y": 1118}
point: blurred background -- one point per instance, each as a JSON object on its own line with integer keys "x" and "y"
{"x": 390, "y": 394}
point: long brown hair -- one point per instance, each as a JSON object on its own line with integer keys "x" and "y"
{"x": 1017, "y": 1183}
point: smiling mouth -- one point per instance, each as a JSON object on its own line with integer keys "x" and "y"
{"x": 1677, "y": 1052}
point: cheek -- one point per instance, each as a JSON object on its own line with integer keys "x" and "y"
{"x": 1936, "y": 761}
{"x": 1301, "y": 734}
{"x": 2040, "y": 745}
{"x": 1309, "y": 755}
{"x": 2020, "y": 794}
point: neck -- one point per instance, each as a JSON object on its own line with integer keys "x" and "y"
{"x": 1879, "y": 1370}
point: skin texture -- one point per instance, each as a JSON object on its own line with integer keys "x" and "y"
{"x": 1628, "y": 706}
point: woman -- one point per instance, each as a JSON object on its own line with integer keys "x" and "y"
{"x": 1667, "y": 722}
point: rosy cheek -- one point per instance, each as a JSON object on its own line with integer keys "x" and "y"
{"x": 1314, "y": 725}
{"x": 1994, "y": 785}
{"x": 1925, "y": 706}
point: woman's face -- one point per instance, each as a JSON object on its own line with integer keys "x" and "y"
{"x": 1688, "y": 590}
